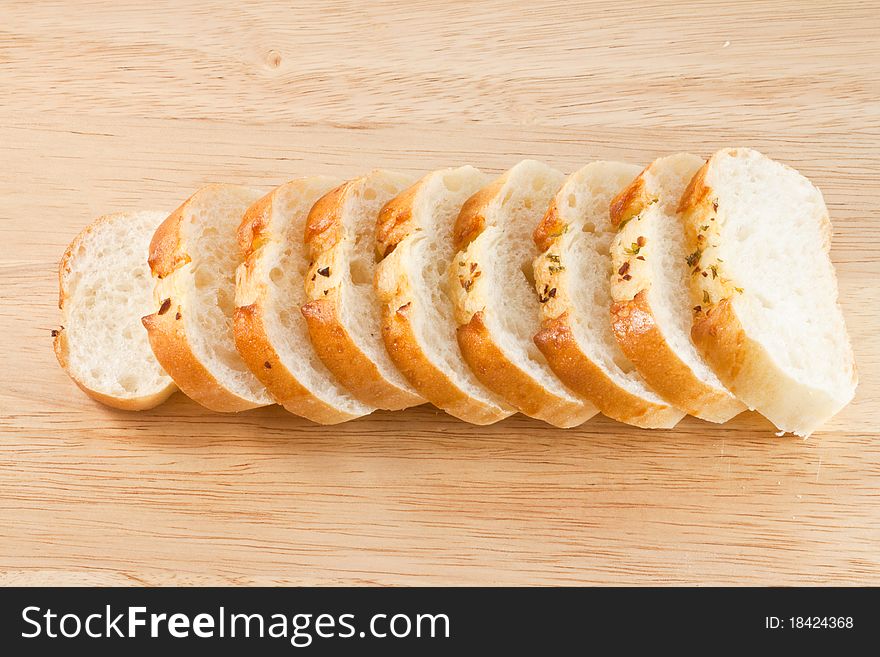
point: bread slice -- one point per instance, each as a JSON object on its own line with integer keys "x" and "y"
{"x": 766, "y": 316}
{"x": 343, "y": 313}
{"x": 193, "y": 256}
{"x": 414, "y": 240}
{"x": 493, "y": 290}
{"x": 572, "y": 279}
{"x": 651, "y": 310}
{"x": 270, "y": 332}
{"x": 105, "y": 288}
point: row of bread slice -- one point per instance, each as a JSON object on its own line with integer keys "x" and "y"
{"x": 689, "y": 287}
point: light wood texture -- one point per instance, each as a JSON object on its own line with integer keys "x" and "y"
{"x": 122, "y": 105}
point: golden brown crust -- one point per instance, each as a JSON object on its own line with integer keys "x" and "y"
{"x": 720, "y": 338}
{"x": 323, "y": 224}
{"x": 166, "y": 249}
{"x": 557, "y": 340}
{"x": 637, "y": 333}
{"x": 630, "y": 201}
{"x": 642, "y": 342}
{"x": 750, "y": 372}
{"x": 695, "y": 193}
{"x": 403, "y": 347}
{"x": 64, "y": 268}
{"x": 253, "y": 224}
{"x": 166, "y": 327}
{"x": 394, "y": 222}
{"x": 549, "y": 229}
{"x": 249, "y": 324}
{"x": 498, "y": 373}
{"x": 471, "y": 220}
{"x": 485, "y": 357}
{"x": 716, "y": 331}
{"x": 583, "y": 376}
{"x": 60, "y": 346}
{"x": 167, "y": 334}
{"x": 715, "y": 321}
{"x": 256, "y": 350}
{"x": 347, "y": 362}
{"x": 398, "y": 333}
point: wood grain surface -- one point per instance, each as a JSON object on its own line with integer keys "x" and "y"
{"x": 109, "y": 106}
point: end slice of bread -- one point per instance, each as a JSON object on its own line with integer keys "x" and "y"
{"x": 651, "y": 311}
{"x": 105, "y": 288}
{"x": 766, "y": 315}
{"x": 414, "y": 240}
{"x": 492, "y": 285}
{"x": 343, "y": 313}
{"x": 572, "y": 277}
{"x": 270, "y": 332}
{"x": 193, "y": 257}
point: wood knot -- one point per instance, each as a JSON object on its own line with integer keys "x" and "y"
{"x": 273, "y": 59}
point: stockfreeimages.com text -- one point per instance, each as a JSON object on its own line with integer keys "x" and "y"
{"x": 299, "y": 629}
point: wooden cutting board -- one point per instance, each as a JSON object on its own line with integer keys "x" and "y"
{"x": 110, "y": 106}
